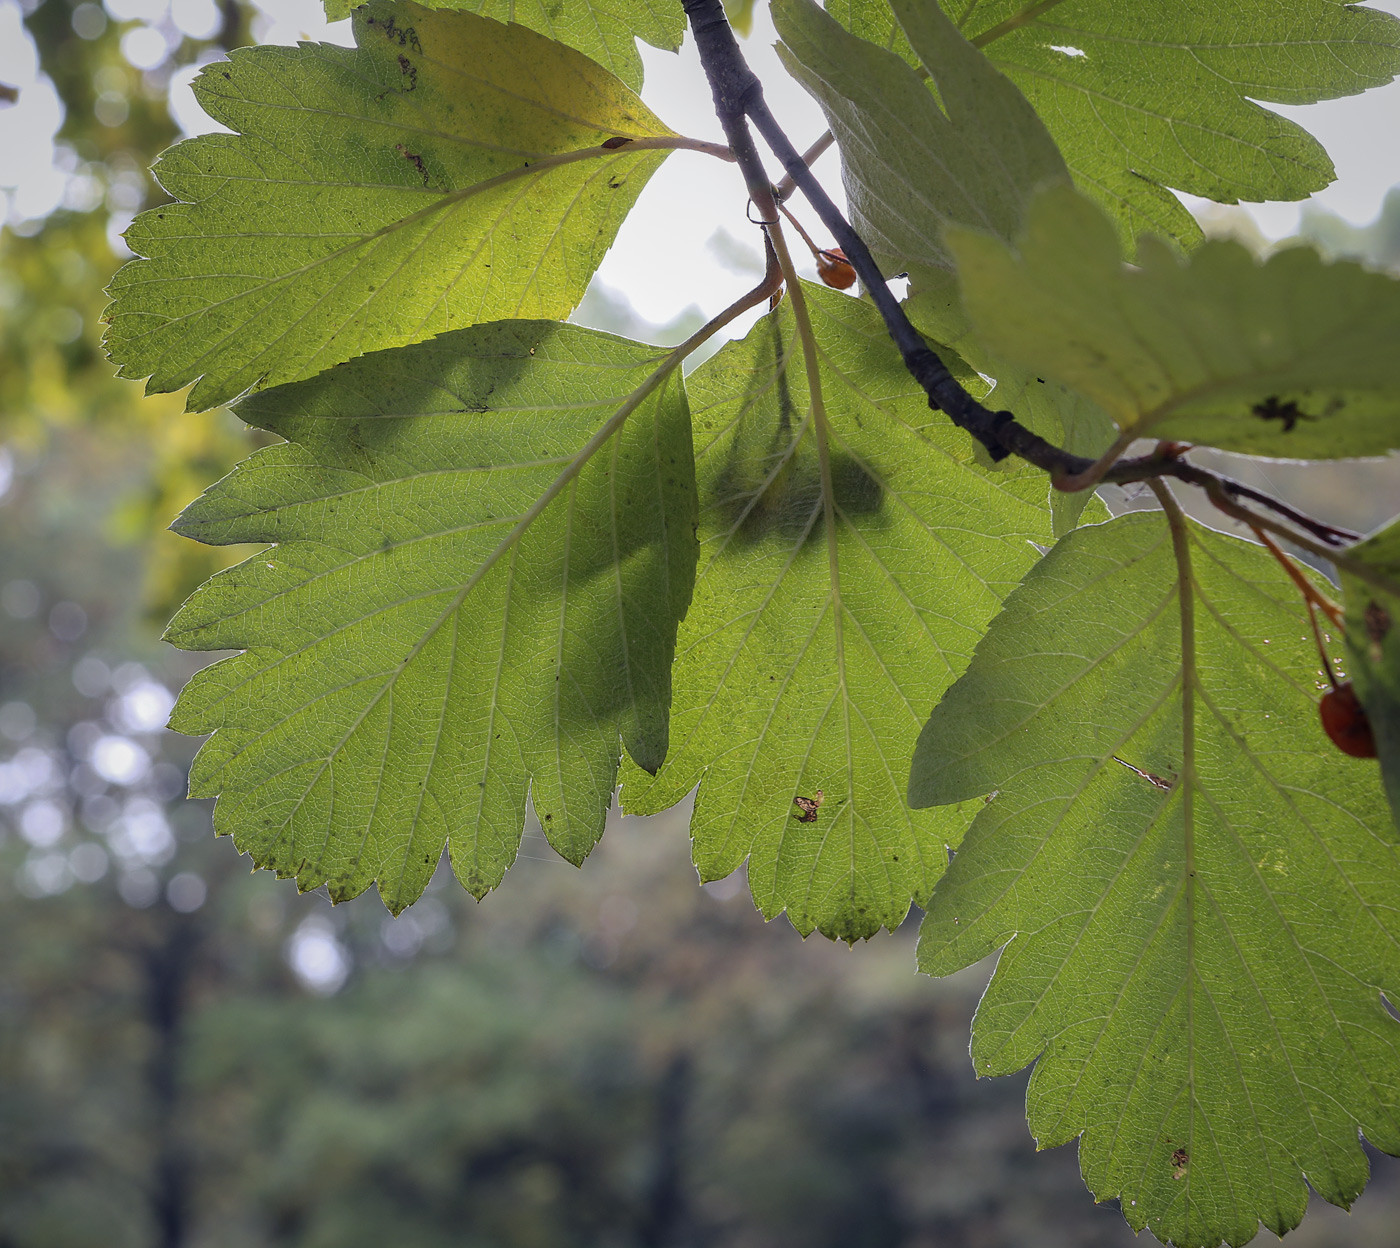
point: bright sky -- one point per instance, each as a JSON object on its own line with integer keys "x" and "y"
{"x": 668, "y": 256}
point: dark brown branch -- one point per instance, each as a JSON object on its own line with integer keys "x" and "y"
{"x": 738, "y": 97}
{"x": 1154, "y": 467}
{"x": 737, "y": 94}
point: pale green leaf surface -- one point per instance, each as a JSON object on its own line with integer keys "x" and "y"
{"x": 912, "y": 166}
{"x": 603, "y": 30}
{"x": 1142, "y": 97}
{"x": 1292, "y": 358}
{"x": 811, "y": 654}
{"x": 873, "y": 21}
{"x": 407, "y": 677}
{"x": 1058, "y": 414}
{"x": 445, "y": 172}
{"x": 1198, "y": 924}
{"x": 1373, "y": 648}
{"x": 1063, "y": 417}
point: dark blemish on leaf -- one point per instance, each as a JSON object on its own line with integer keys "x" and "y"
{"x": 1377, "y": 620}
{"x": 618, "y": 140}
{"x": 807, "y": 807}
{"x": 405, "y": 36}
{"x": 616, "y": 183}
{"x": 1288, "y": 412}
{"x": 1146, "y": 775}
{"x": 1179, "y": 1163}
{"x": 228, "y": 75}
{"x": 410, "y": 71}
{"x": 413, "y": 159}
{"x": 547, "y": 818}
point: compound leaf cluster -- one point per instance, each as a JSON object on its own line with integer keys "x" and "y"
{"x": 512, "y": 563}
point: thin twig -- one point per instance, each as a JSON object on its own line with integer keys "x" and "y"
{"x": 783, "y": 191}
{"x": 1310, "y": 594}
{"x": 797, "y": 225}
{"x": 738, "y": 97}
{"x": 1358, "y": 568}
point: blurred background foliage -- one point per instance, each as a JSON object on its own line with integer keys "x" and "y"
{"x": 193, "y": 1056}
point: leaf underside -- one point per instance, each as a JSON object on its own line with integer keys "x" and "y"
{"x": 1291, "y": 358}
{"x": 913, "y": 163}
{"x": 1143, "y": 97}
{"x": 445, "y": 172}
{"x": 409, "y": 675}
{"x": 911, "y": 159}
{"x": 1197, "y": 898}
{"x": 813, "y": 651}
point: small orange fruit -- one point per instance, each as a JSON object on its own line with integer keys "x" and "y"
{"x": 834, "y": 269}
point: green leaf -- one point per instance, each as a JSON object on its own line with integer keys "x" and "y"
{"x": 1292, "y": 358}
{"x": 1373, "y": 648}
{"x": 1142, "y": 97}
{"x": 874, "y": 21}
{"x": 413, "y": 662}
{"x": 1197, "y": 896}
{"x": 910, "y": 165}
{"x": 603, "y": 30}
{"x": 447, "y": 171}
{"x": 817, "y": 642}
{"x": 1062, "y": 417}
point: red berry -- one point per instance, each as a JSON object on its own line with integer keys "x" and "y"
{"x": 834, "y": 269}
{"x": 1344, "y": 720}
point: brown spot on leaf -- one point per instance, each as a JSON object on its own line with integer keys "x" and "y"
{"x": 404, "y": 36}
{"x": 413, "y": 159}
{"x": 410, "y": 71}
{"x": 618, "y": 140}
{"x": 1378, "y": 622}
{"x": 1179, "y": 1163}
{"x": 807, "y": 807}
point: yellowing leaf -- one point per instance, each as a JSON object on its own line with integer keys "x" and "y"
{"x": 604, "y": 30}
{"x": 449, "y": 170}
